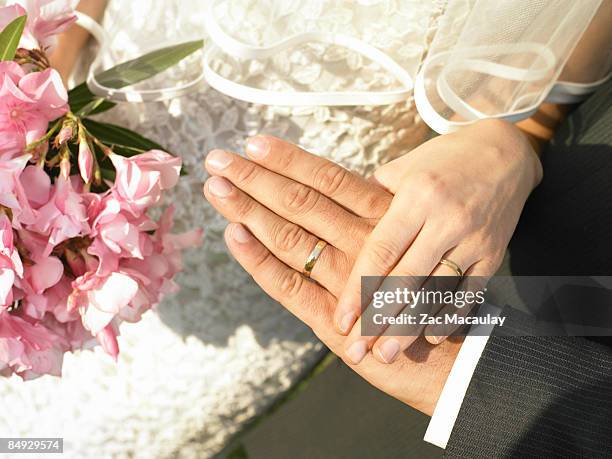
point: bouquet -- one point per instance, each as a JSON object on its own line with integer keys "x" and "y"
{"x": 79, "y": 252}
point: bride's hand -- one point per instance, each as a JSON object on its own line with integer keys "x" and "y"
{"x": 457, "y": 197}
{"x": 281, "y": 204}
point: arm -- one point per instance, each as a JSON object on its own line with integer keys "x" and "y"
{"x": 459, "y": 196}
{"x": 72, "y": 42}
{"x": 590, "y": 61}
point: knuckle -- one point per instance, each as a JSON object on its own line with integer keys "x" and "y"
{"x": 355, "y": 234}
{"x": 335, "y": 262}
{"x": 383, "y": 254}
{"x": 287, "y": 236}
{"x": 262, "y": 258}
{"x": 290, "y": 283}
{"x": 431, "y": 187}
{"x": 300, "y": 199}
{"x": 329, "y": 178}
{"x": 467, "y": 214}
{"x": 429, "y": 181}
{"x": 285, "y": 160}
{"x": 247, "y": 173}
{"x": 376, "y": 205}
{"x": 244, "y": 207}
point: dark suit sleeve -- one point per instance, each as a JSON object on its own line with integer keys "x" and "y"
{"x": 536, "y": 396}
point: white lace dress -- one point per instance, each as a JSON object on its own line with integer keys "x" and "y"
{"x": 218, "y": 353}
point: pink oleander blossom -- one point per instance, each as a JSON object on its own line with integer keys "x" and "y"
{"x": 29, "y": 349}
{"x": 141, "y": 179}
{"x": 46, "y": 19}
{"x": 85, "y": 161}
{"x": 63, "y": 217}
{"x": 119, "y": 231}
{"x": 11, "y": 267}
{"x": 12, "y": 192}
{"x": 28, "y": 103}
{"x": 100, "y": 298}
{"x": 78, "y": 256}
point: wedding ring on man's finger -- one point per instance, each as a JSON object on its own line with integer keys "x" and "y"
{"x": 452, "y": 265}
{"x": 312, "y": 259}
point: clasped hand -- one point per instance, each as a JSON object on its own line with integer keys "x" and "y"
{"x": 457, "y": 197}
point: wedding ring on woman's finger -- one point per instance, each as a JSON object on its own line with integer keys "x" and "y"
{"x": 452, "y": 265}
{"x": 312, "y": 259}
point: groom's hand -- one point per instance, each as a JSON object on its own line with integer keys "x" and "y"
{"x": 282, "y": 203}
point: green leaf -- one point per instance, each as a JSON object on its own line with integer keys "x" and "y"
{"x": 80, "y": 97}
{"x": 9, "y": 38}
{"x": 123, "y": 141}
{"x": 132, "y": 72}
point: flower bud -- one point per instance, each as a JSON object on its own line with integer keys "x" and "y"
{"x": 86, "y": 160}
{"x": 65, "y": 134}
{"x": 65, "y": 167}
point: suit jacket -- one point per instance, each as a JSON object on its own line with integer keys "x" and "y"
{"x": 536, "y": 396}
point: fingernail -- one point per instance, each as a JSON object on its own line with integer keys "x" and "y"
{"x": 241, "y": 235}
{"x": 389, "y": 350}
{"x": 357, "y": 351}
{"x": 219, "y": 187}
{"x": 257, "y": 147}
{"x": 218, "y": 159}
{"x": 346, "y": 322}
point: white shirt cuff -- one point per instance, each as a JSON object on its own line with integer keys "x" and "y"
{"x": 447, "y": 409}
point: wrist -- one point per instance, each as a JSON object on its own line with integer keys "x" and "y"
{"x": 519, "y": 148}
{"x": 532, "y": 156}
{"x": 423, "y": 388}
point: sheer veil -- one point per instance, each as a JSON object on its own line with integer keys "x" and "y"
{"x": 461, "y": 60}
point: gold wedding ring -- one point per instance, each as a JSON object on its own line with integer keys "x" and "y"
{"x": 452, "y": 265}
{"x": 312, "y": 259}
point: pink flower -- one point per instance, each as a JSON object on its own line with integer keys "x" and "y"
{"x": 38, "y": 189}
{"x": 53, "y": 300}
{"x": 11, "y": 267}
{"x": 12, "y": 192}
{"x": 100, "y": 298}
{"x": 86, "y": 161}
{"x": 63, "y": 217}
{"x": 44, "y": 274}
{"x": 46, "y": 18}
{"x": 142, "y": 178}
{"x": 28, "y": 103}
{"x": 156, "y": 272}
{"x": 27, "y": 349}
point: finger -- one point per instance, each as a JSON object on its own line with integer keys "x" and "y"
{"x": 413, "y": 269}
{"x": 475, "y": 281}
{"x": 287, "y": 241}
{"x": 322, "y": 175}
{"x": 397, "y": 338}
{"x": 367, "y": 329}
{"x": 292, "y": 200}
{"x": 380, "y": 253}
{"x": 308, "y": 301}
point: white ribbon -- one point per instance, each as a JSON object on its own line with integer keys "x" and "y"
{"x": 235, "y": 48}
{"x": 466, "y": 59}
{"x": 125, "y": 94}
{"x": 470, "y": 59}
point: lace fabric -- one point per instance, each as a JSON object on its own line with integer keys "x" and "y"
{"x": 199, "y": 368}
{"x": 489, "y": 58}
